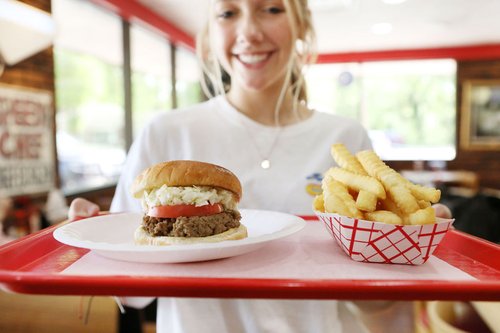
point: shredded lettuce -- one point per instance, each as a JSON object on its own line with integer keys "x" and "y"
{"x": 192, "y": 195}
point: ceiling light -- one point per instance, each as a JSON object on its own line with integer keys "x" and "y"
{"x": 382, "y": 28}
{"x": 24, "y": 31}
{"x": 393, "y": 2}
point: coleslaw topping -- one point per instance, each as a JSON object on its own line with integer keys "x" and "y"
{"x": 193, "y": 195}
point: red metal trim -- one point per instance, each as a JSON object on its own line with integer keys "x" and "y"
{"x": 473, "y": 52}
{"x": 132, "y": 9}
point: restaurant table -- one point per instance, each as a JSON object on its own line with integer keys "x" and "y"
{"x": 460, "y": 178}
{"x": 306, "y": 265}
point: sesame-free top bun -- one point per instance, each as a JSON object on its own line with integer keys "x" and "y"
{"x": 186, "y": 173}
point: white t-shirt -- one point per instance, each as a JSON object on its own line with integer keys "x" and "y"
{"x": 215, "y": 132}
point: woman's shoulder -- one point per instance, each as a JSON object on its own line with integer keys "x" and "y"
{"x": 193, "y": 113}
{"x": 185, "y": 111}
{"x": 335, "y": 128}
{"x": 329, "y": 120}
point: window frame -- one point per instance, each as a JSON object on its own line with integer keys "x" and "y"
{"x": 126, "y": 26}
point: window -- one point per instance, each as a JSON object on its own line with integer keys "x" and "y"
{"x": 408, "y": 107}
{"x": 151, "y": 83}
{"x": 92, "y": 118}
{"x": 188, "y": 83}
{"x": 89, "y": 95}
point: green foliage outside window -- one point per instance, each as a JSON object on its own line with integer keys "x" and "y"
{"x": 402, "y": 108}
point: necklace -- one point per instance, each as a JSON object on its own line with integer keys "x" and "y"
{"x": 265, "y": 159}
{"x": 266, "y": 162}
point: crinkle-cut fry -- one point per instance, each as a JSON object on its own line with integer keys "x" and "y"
{"x": 418, "y": 191}
{"x": 332, "y": 186}
{"x": 346, "y": 160}
{"x": 375, "y": 166}
{"x": 357, "y": 182}
{"x": 389, "y": 204}
{"x": 370, "y": 161}
{"x": 422, "y": 216}
{"x": 390, "y": 177}
{"x": 395, "y": 186}
{"x": 366, "y": 201}
{"x": 319, "y": 203}
{"x": 384, "y": 216}
{"x": 425, "y": 193}
{"x": 403, "y": 198}
{"x": 393, "y": 182}
{"x": 334, "y": 204}
{"x": 423, "y": 203}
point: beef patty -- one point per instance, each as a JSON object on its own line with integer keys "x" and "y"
{"x": 194, "y": 226}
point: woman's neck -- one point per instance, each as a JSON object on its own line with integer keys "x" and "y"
{"x": 261, "y": 107}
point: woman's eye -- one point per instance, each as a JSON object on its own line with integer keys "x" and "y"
{"x": 225, "y": 14}
{"x": 275, "y": 10}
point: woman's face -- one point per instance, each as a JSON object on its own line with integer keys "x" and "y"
{"x": 252, "y": 40}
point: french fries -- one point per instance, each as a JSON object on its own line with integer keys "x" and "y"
{"x": 346, "y": 160}
{"x": 333, "y": 192}
{"x": 364, "y": 187}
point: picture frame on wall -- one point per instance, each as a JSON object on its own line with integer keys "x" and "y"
{"x": 480, "y": 115}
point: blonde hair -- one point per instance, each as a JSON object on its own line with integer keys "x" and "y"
{"x": 216, "y": 81}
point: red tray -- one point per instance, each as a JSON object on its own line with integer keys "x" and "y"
{"x": 33, "y": 264}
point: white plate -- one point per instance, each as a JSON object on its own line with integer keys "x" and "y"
{"x": 112, "y": 236}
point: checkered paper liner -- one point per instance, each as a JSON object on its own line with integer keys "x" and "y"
{"x": 385, "y": 243}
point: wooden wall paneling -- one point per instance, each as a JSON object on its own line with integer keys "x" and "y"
{"x": 485, "y": 162}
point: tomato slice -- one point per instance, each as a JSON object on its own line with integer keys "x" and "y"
{"x": 184, "y": 210}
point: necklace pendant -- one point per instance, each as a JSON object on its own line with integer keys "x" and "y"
{"x": 265, "y": 164}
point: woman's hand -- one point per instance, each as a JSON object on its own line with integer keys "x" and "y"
{"x": 81, "y": 208}
{"x": 442, "y": 211}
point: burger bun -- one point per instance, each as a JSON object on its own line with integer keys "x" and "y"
{"x": 186, "y": 173}
{"x": 141, "y": 237}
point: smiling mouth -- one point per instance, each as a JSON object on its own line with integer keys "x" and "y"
{"x": 253, "y": 59}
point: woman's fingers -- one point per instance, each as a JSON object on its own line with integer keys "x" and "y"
{"x": 442, "y": 211}
{"x": 81, "y": 208}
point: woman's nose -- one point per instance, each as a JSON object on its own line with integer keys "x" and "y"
{"x": 249, "y": 30}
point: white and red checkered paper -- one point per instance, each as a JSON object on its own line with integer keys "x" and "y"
{"x": 385, "y": 243}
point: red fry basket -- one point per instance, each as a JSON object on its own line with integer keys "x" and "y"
{"x": 378, "y": 242}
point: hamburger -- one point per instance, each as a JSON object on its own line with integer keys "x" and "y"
{"x": 186, "y": 202}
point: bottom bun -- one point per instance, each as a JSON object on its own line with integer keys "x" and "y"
{"x": 141, "y": 237}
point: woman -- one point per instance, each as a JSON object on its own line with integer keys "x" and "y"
{"x": 257, "y": 125}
